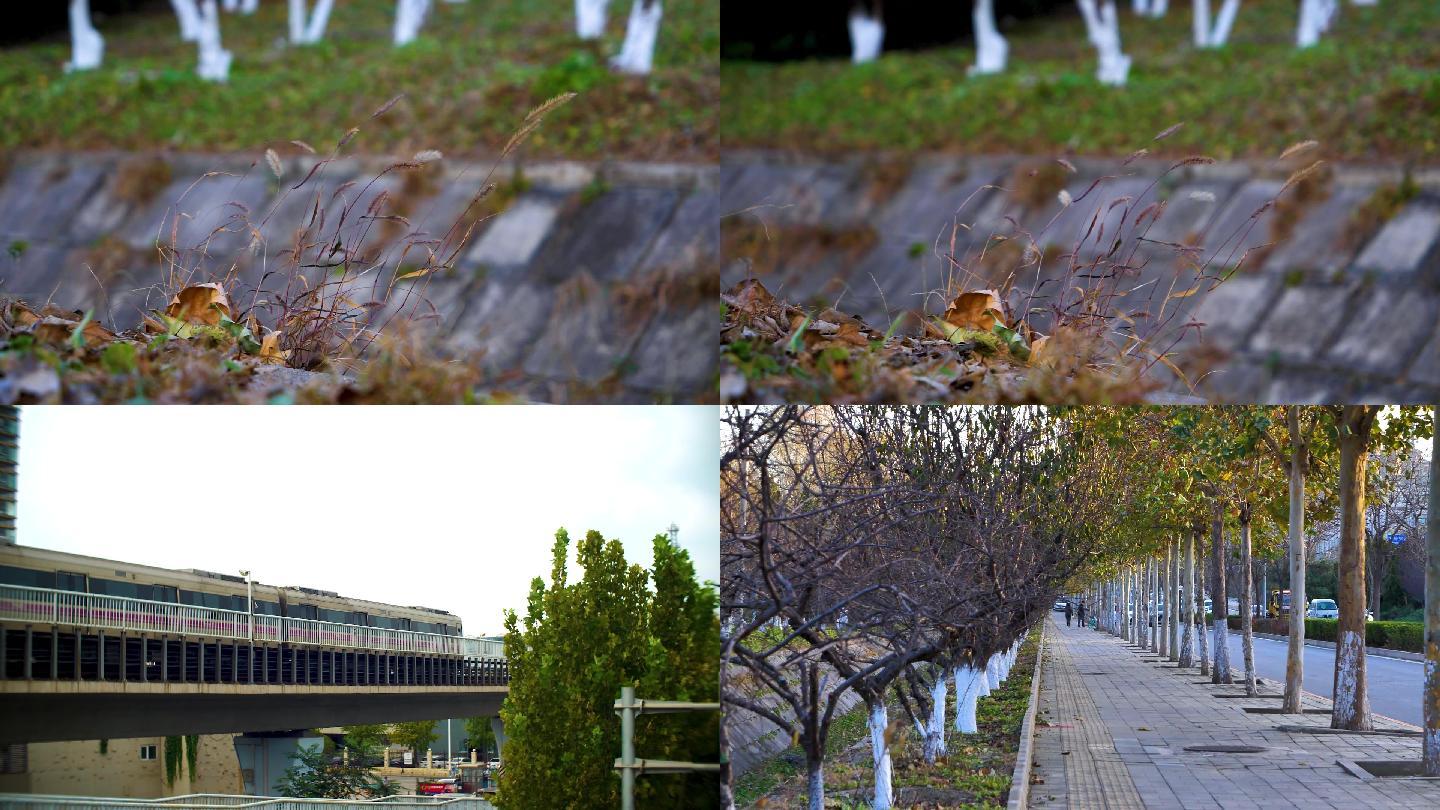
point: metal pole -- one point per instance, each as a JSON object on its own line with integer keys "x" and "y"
{"x": 250, "y": 603}
{"x": 627, "y": 748}
{"x": 449, "y": 755}
{"x": 1430, "y": 752}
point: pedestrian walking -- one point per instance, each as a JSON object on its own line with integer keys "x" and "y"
{"x": 1082, "y": 614}
{"x": 1068, "y": 613}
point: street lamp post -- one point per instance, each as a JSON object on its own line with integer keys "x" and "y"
{"x": 249, "y": 603}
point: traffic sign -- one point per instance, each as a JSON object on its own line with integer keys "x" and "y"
{"x": 1397, "y": 539}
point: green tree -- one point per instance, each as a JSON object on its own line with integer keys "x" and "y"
{"x": 314, "y": 776}
{"x": 416, "y": 736}
{"x": 479, "y": 736}
{"x": 365, "y": 741}
{"x": 577, "y": 644}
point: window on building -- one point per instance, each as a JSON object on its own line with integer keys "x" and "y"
{"x": 10, "y": 575}
{"x": 66, "y": 581}
{"x": 147, "y": 752}
{"x": 14, "y": 758}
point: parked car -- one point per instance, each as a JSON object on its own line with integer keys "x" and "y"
{"x": 1059, "y": 605}
{"x": 1322, "y": 609}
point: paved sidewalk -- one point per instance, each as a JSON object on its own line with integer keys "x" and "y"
{"x": 1119, "y": 722}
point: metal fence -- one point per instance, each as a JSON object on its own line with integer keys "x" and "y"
{"x": 212, "y": 801}
{"x": 628, "y": 707}
{"x": 44, "y": 606}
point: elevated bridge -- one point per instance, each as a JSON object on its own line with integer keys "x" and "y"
{"x": 80, "y": 666}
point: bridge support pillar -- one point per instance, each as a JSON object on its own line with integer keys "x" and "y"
{"x": 498, "y": 728}
{"x": 29, "y": 652}
{"x": 78, "y": 646}
{"x": 54, "y": 653}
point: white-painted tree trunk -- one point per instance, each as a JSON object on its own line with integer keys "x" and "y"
{"x": 880, "y": 756}
{"x": 249, "y": 6}
{"x": 982, "y": 680}
{"x": 1158, "y": 8}
{"x": 1103, "y": 26}
{"x": 409, "y": 17}
{"x": 967, "y": 693}
{"x": 189, "y": 18}
{"x": 935, "y": 729}
{"x": 992, "y": 672}
{"x": 637, "y": 54}
{"x": 590, "y": 18}
{"x": 1315, "y": 19}
{"x": 1214, "y": 34}
{"x": 214, "y": 59}
{"x": 87, "y": 47}
{"x": 307, "y": 26}
{"x": 1187, "y": 605}
{"x": 991, "y": 49}
{"x": 867, "y": 36}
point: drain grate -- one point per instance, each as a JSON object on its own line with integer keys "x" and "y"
{"x": 1227, "y": 749}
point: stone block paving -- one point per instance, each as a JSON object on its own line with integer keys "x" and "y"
{"x": 595, "y": 281}
{"x": 1329, "y": 314}
{"x": 1119, "y": 723}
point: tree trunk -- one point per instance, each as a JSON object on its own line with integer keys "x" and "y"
{"x": 991, "y": 49}
{"x": 935, "y": 730}
{"x": 880, "y": 752}
{"x": 815, "y": 783}
{"x": 1431, "y": 753}
{"x": 867, "y": 35}
{"x": 637, "y": 53}
{"x": 1352, "y": 701}
{"x": 590, "y": 18}
{"x": 1186, "y": 604}
{"x": 727, "y": 794}
{"x": 1202, "y": 635}
{"x": 1219, "y": 599}
{"x": 1247, "y": 612}
{"x": 1171, "y": 601}
{"x": 1102, "y": 24}
{"x": 214, "y": 59}
{"x": 87, "y": 47}
{"x": 1164, "y": 603}
{"x": 1294, "y": 660}
{"x": 966, "y": 692}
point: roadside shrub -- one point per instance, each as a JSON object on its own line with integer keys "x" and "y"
{"x": 1398, "y": 635}
{"x": 1321, "y": 629}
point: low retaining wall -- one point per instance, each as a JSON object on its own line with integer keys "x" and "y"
{"x": 598, "y": 277}
{"x": 1024, "y": 756}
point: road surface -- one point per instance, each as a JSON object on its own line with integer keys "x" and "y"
{"x": 1395, "y": 684}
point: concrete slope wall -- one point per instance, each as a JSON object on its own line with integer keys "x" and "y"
{"x": 586, "y": 278}
{"x": 1331, "y": 312}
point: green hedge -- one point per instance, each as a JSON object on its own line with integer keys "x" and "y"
{"x": 1389, "y": 635}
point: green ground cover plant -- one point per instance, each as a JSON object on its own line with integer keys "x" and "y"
{"x": 1370, "y": 91}
{"x": 975, "y": 774}
{"x": 473, "y": 65}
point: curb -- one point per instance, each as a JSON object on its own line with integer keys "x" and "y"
{"x": 1378, "y": 652}
{"x": 1024, "y": 755}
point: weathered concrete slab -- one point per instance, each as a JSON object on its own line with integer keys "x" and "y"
{"x": 1408, "y": 243}
{"x": 1387, "y": 332}
{"x": 512, "y": 237}
{"x": 1230, "y": 312}
{"x": 1302, "y": 321}
{"x": 607, "y": 236}
{"x": 1316, "y": 247}
{"x": 1426, "y": 369}
{"x": 1238, "y": 227}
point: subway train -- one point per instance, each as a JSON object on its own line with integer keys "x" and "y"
{"x": 43, "y": 568}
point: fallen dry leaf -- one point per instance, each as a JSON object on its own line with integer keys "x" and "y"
{"x": 974, "y": 310}
{"x": 270, "y": 352}
{"x": 200, "y": 303}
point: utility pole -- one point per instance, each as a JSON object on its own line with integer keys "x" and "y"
{"x": 1431, "y": 752}
{"x": 250, "y": 602}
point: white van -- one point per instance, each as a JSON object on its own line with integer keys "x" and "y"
{"x": 1322, "y": 609}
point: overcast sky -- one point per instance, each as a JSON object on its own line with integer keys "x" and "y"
{"x": 448, "y": 507}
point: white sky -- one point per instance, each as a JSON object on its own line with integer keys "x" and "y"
{"x": 448, "y": 507}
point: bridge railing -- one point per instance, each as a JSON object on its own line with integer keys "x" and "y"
{"x": 44, "y": 606}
